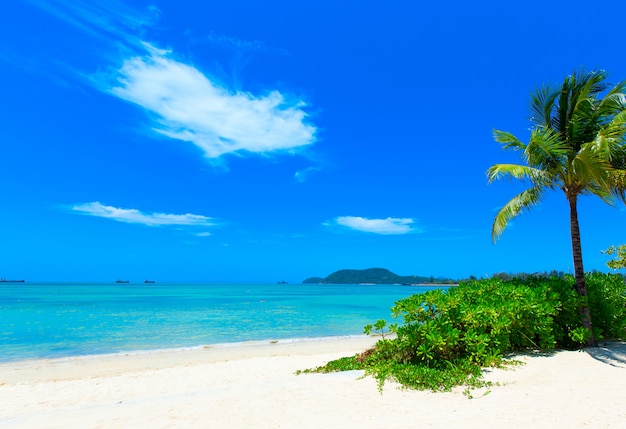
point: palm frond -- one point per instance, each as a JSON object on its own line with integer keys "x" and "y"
{"x": 614, "y": 101}
{"x": 579, "y": 118}
{"x": 542, "y": 104}
{"x": 606, "y": 195}
{"x": 513, "y": 171}
{"x": 612, "y": 136}
{"x": 509, "y": 140}
{"x": 545, "y": 149}
{"x": 618, "y": 157}
{"x": 561, "y": 118}
{"x": 617, "y": 179}
{"x": 589, "y": 84}
{"x": 589, "y": 169}
{"x": 523, "y": 201}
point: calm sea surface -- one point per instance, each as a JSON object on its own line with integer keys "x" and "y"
{"x": 42, "y": 320}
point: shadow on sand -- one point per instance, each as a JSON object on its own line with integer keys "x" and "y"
{"x": 611, "y": 352}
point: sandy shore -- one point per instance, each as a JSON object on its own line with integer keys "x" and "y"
{"x": 253, "y": 385}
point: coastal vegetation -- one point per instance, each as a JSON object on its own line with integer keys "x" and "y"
{"x": 374, "y": 276}
{"x": 446, "y": 338}
{"x": 578, "y": 146}
{"x": 619, "y": 257}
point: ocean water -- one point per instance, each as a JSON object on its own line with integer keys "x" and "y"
{"x": 45, "y": 320}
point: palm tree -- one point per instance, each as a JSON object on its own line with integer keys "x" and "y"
{"x": 577, "y": 145}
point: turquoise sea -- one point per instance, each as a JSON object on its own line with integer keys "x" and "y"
{"x": 45, "y": 320}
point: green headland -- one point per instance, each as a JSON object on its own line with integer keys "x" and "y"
{"x": 375, "y": 276}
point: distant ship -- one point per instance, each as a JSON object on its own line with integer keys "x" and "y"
{"x": 3, "y": 280}
{"x": 149, "y": 281}
{"x": 122, "y": 281}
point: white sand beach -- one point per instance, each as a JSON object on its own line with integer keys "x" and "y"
{"x": 254, "y": 385}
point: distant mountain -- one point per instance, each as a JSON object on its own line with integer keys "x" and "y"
{"x": 373, "y": 275}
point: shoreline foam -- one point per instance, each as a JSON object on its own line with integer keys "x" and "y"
{"x": 234, "y": 344}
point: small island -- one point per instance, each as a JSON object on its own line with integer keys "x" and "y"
{"x": 375, "y": 276}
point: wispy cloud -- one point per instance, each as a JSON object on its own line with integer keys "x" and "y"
{"x": 230, "y": 42}
{"x": 388, "y": 226}
{"x": 301, "y": 176}
{"x": 110, "y": 20}
{"x": 183, "y": 102}
{"x": 240, "y": 51}
{"x": 136, "y": 216}
{"x": 186, "y": 105}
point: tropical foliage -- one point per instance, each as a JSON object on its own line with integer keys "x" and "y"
{"x": 607, "y": 302}
{"x": 447, "y": 337}
{"x": 619, "y": 261}
{"x": 578, "y": 146}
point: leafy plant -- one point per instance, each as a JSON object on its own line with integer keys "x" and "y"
{"x": 580, "y": 335}
{"x": 607, "y": 302}
{"x": 379, "y": 326}
{"x": 447, "y": 337}
{"x": 619, "y": 261}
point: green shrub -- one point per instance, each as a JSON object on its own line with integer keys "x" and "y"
{"x": 478, "y": 321}
{"x": 447, "y": 336}
{"x": 607, "y": 304}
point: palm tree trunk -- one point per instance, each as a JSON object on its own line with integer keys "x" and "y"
{"x": 579, "y": 271}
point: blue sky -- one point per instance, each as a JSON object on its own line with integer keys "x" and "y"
{"x": 264, "y": 141}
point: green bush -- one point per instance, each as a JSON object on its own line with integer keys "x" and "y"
{"x": 447, "y": 336}
{"x": 478, "y": 321}
{"x": 607, "y": 304}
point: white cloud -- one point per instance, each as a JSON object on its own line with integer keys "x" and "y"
{"x": 389, "y": 226}
{"x": 136, "y": 216}
{"x": 187, "y": 105}
{"x": 184, "y": 103}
